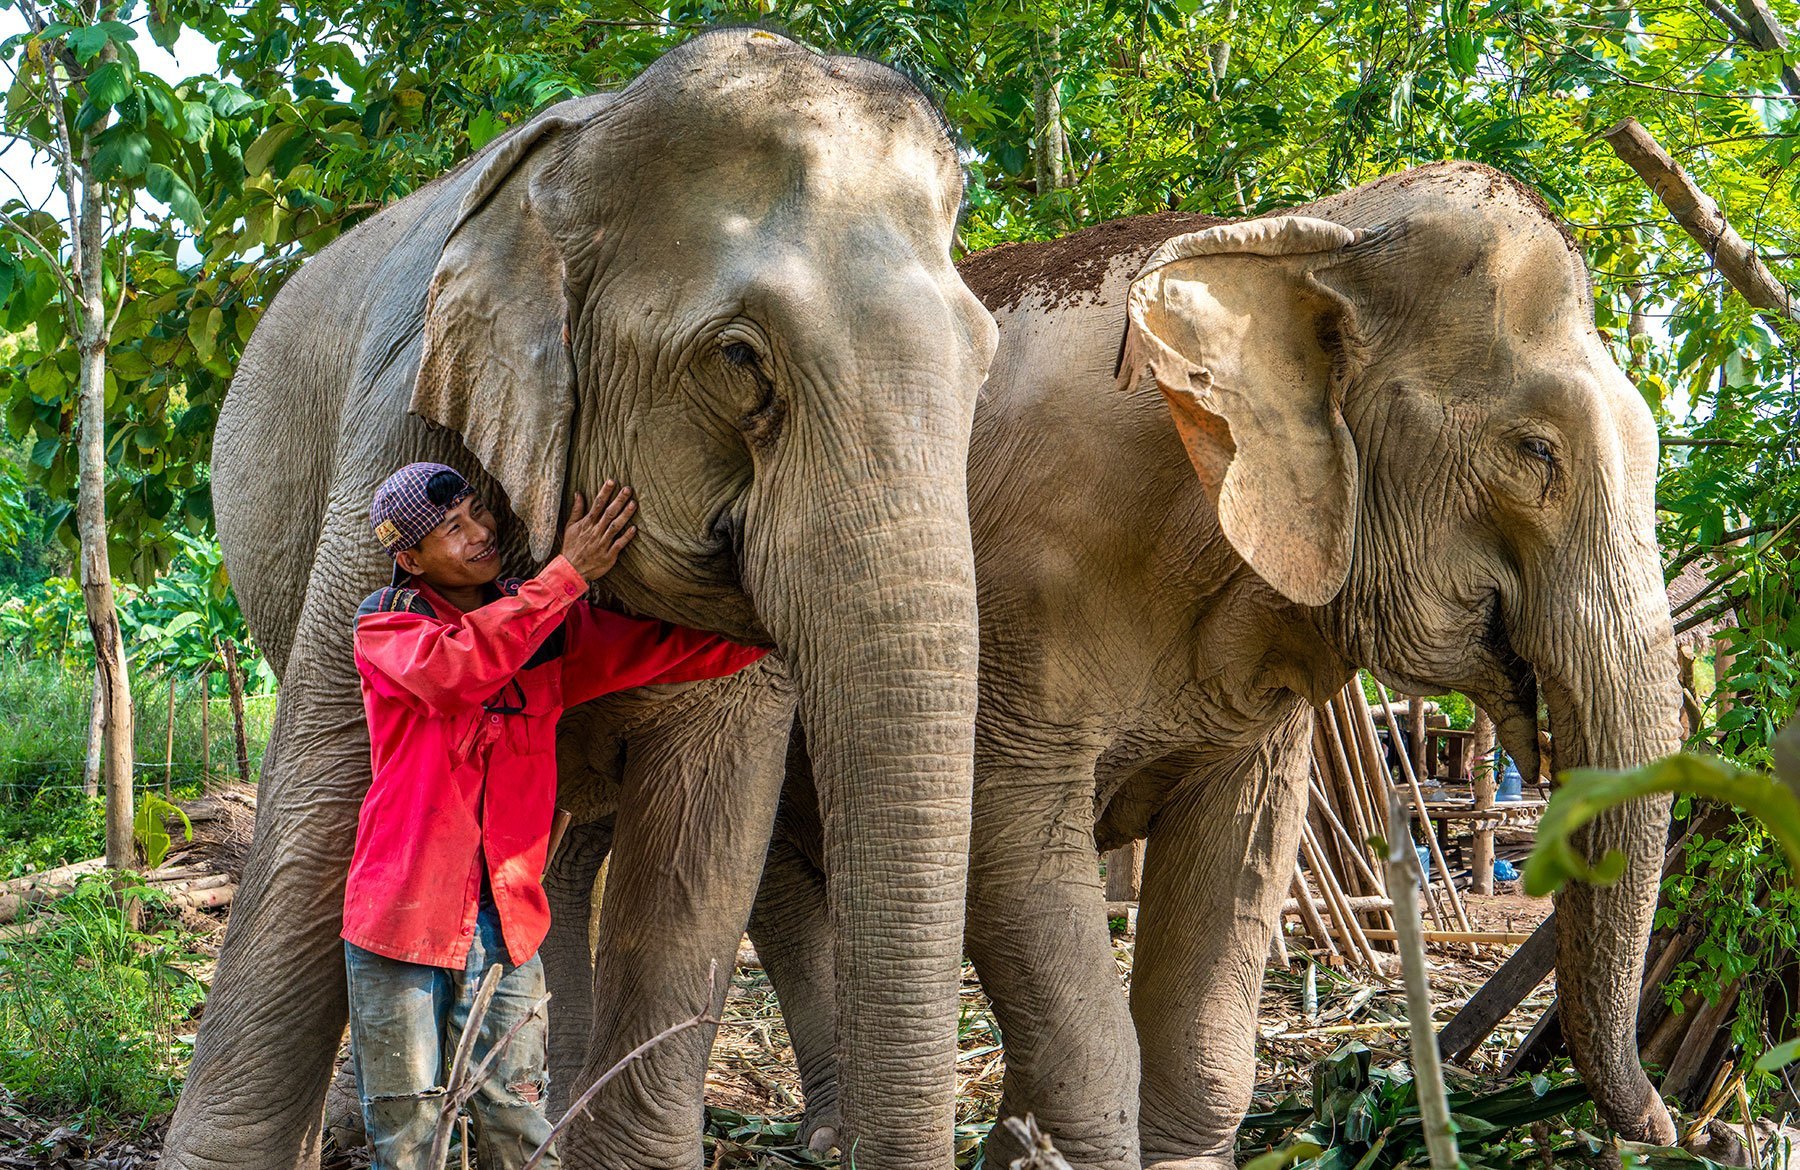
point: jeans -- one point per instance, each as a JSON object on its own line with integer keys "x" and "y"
{"x": 406, "y": 1020}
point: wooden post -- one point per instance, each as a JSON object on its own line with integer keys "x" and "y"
{"x": 1124, "y": 872}
{"x": 1481, "y": 849}
{"x": 169, "y": 747}
{"x": 205, "y": 728}
{"x": 234, "y": 678}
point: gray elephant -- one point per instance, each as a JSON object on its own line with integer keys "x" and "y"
{"x": 729, "y": 285}
{"x": 1416, "y": 356}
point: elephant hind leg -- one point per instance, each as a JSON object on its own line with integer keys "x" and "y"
{"x": 792, "y": 933}
{"x": 1217, "y": 866}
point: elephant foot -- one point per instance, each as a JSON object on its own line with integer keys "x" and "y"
{"x": 820, "y": 1130}
{"x": 1203, "y": 1162}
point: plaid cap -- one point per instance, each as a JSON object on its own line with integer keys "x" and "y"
{"x": 402, "y": 514}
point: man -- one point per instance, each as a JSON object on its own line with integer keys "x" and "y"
{"x": 463, "y": 678}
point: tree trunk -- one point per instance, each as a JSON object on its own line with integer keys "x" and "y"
{"x": 1124, "y": 872}
{"x": 1415, "y": 737}
{"x": 1048, "y": 142}
{"x": 1481, "y": 851}
{"x": 205, "y": 729}
{"x": 234, "y": 676}
{"x": 113, "y": 684}
{"x": 96, "y": 740}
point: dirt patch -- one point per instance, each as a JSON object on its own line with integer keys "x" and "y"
{"x": 1066, "y": 270}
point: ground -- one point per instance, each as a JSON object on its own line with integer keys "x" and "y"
{"x": 754, "y": 1092}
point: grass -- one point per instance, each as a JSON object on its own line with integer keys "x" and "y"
{"x": 45, "y": 819}
{"x": 92, "y": 1012}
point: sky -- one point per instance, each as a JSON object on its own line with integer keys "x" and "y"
{"x": 35, "y": 178}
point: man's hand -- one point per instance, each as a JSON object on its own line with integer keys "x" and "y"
{"x": 595, "y": 536}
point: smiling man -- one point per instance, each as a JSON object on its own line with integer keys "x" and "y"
{"x": 463, "y": 678}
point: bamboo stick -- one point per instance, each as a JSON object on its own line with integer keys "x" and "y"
{"x": 1507, "y": 938}
{"x": 169, "y": 746}
{"x": 1428, "y": 1073}
{"x": 1357, "y": 942}
{"x": 1355, "y": 853}
{"x": 1364, "y": 726}
{"x": 1309, "y": 912}
{"x": 1418, "y": 794}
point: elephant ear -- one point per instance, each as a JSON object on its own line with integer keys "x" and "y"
{"x": 1252, "y": 352}
{"x": 496, "y": 365}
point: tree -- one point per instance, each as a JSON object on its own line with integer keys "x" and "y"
{"x": 72, "y": 73}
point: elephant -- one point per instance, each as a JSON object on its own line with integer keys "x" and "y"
{"x": 730, "y": 284}
{"x": 1398, "y": 443}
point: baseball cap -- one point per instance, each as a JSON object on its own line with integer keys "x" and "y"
{"x": 403, "y": 512}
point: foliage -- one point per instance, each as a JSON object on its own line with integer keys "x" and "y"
{"x": 91, "y": 1010}
{"x": 150, "y": 826}
{"x": 44, "y": 818}
{"x": 1750, "y": 913}
{"x": 1367, "y": 1117}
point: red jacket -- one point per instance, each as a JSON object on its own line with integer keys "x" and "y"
{"x": 462, "y": 714}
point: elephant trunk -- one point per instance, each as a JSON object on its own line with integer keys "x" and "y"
{"x": 1615, "y": 706}
{"x": 883, "y": 648}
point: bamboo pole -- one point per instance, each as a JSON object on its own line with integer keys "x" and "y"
{"x": 1431, "y": 841}
{"x": 1382, "y": 784}
{"x": 1481, "y": 777}
{"x": 1355, "y": 853}
{"x": 1428, "y": 1073}
{"x": 1350, "y": 929}
{"x": 1309, "y": 912}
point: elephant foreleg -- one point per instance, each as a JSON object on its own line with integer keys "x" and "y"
{"x": 1037, "y": 933}
{"x": 1216, "y": 868}
{"x": 696, "y": 806}
{"x": 569, "y": 953}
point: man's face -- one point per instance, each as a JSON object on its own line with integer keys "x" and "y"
{"x": 462, "y": 551}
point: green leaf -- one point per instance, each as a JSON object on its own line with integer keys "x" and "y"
{"x": 228, "y": 101}
{"x": 484, "y": 128}
{"x": 122, "y": 153}
{"x": 1780, "y": 1056}
{"x": 107, "y": 87}
{"x": 257, "y": 158}
{"x": 203, "y": 331}
{"x": 166, "y": 185}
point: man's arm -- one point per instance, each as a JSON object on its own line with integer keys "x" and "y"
{"x": 610, "y": 652}
{"x": 449, "y": 668}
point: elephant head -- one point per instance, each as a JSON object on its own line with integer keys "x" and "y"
{"x": 730, "y": 285}
{"x": 1399, "y": 400}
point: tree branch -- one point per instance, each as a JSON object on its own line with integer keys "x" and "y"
{"x": 1700, "y": 216}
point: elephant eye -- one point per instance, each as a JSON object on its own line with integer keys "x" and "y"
{"x": 1538, "y": 449}
{"x": 738, "y": 354}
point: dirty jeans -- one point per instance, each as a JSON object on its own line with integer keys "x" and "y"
{"x": 406, "y": 1020}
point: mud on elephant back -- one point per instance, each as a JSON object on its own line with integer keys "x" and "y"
{"x": 729, "y": 285}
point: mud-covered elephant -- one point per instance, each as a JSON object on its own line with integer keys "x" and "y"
{"x": 1406, "y": 449}
{"x": 730, "y": 285}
